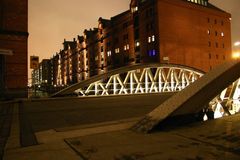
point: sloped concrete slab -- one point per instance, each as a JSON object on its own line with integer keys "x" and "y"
{"x": 193, "y": 98}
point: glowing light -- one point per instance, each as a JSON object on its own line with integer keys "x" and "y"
{"x": 205, "y": 118}
{"x": 218, "y": 113}
{"x": 237, "y": 43}
{"x": 236, "y": 55}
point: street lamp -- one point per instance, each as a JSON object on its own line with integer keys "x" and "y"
{"x": 236, "y": 55}
{"x": 237, "y": 43}
{"x": 236, "y": 50}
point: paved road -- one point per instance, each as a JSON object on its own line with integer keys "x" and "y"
{"x": 39, "y": 115}
{"x": 59, "y": 113}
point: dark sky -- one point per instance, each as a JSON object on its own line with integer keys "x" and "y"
{"x": 50, "y": 21}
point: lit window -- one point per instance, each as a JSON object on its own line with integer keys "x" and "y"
{"x": 149, "y": 39}
{"x": 134, "y": 9}
{"x": 153, "y": 38}
{"x": 222, "y": 34}
{"x": 137, "y": 44}
{"x": 208, "y": 32}
{"x": 127, "y": 46}
{"x": 152, "y": 52}
{"x": 117, "y": 50}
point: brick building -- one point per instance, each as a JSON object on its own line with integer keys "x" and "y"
{"x": 13, "y": 48}
{"x": 188, "y": 32}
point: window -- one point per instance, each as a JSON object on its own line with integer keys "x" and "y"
{"x": 222, "y": 23}
{"x": 136, "y": 34}
{"x": 216, "y": 33}
{"x": 152, "y": 53}
{"x": 209, "y": 44}
{"x": 137, "y": 44}
{"x": 151, "y": 39}
{"x": 222, "y": 34}
{"x": 101, "y": 48}
{"x": 208, "y": 20}
{"x": 96, "y": 58}
{"x": 216, "y": 56}
{"x": 136, "y": 21}
{"x": 216, "y": 45}
{"x": 109, "y": 53}
{"x": 215, "y": 21}
{"x": 210, "y": 56}
{"x": 223, "y": 46}
{"x": 201, "y": 2}
{"x": 149, "y": 26}
{"x": 135, "y": 9}
{"x": 125, "y": 36}
{"x": 208, "y": 32}
{"x": 127, "y": 46}
{"x": 117, "y": 50}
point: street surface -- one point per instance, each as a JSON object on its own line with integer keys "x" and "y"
{"x": 66, "y": 112}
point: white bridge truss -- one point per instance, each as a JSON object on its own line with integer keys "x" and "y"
{"x": 227, "y": 102}
{"x": 144, "y": 80}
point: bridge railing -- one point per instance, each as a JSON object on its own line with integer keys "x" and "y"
{"x": 146, "y": 80}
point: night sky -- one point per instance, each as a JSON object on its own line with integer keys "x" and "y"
{"x": 50, "y": 21}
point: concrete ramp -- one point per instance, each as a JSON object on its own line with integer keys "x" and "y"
{"x": 193, "y": 98}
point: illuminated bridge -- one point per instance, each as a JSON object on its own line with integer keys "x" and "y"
{"x": 136, "y": 79}
{"x": 218, "y": 90}
{"x": 162, "y": 78}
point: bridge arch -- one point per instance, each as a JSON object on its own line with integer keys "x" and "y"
{"x": 197, "y": 97}
{"x": 136, "y": 79}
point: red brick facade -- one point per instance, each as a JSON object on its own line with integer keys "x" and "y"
{"x": 13, "y": 36}
{"x": 196, "y": 36}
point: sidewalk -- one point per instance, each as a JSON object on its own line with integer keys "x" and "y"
{"x": 217, "y": 139}
{"x": 14, "y": 150}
